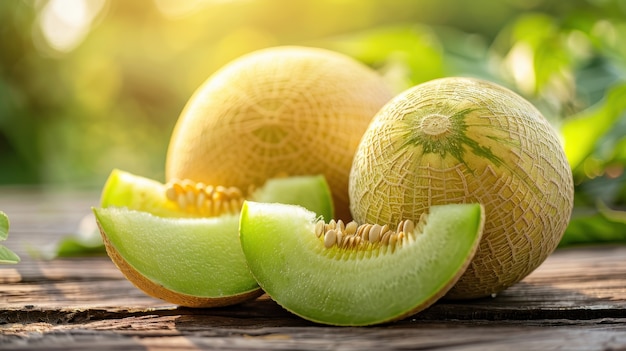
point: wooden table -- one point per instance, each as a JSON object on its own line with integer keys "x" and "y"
{"x": 575, "y": 301}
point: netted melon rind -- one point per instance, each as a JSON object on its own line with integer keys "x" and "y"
{"x": 498, "y": 150}
{"x": 279, "y": 111}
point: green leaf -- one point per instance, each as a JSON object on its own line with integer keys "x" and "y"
{"x": 6, "y": 255}
{"x": 596, "y": 226}
{"x": 75, "y": 247}
{"x": 405, "y": 54}
{"x": 582, "y": 132}
{"x": 608, "y": 190}
{"x": 4, "y": 226}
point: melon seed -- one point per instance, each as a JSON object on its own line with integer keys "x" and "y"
{"x": 330, "y": 238}
{"x": 374, "y": 233}
{"x": 319, "y": 228}
{"x": 206, "y": 199}
{"x": 351, "y": 228}
{"x": 354, "y": 236}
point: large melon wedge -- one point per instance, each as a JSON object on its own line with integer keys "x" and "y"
{"x": 189, "y": 262}
{"x": 362, "y": 284}
{"x": 194, "y": 262}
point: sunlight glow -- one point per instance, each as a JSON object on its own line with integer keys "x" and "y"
{"x": 520, "y": 62}
{"x": 174, "y": 8}
{"x": 65, "y": 23}
{"x": 177, "y": 8}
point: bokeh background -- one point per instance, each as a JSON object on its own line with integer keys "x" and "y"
{"x": 91, "y": 85}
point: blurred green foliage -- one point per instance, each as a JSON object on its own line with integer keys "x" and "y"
{"x": 91, "y": 85}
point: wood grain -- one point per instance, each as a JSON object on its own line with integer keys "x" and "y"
{"x": 575, "y": 301}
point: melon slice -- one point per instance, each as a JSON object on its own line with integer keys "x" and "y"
{"x": 193, "y": 262}
{"x": 124, "y": 189}
{"x": 358, "y": 284}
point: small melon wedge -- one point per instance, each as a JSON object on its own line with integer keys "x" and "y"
{"x": 124, "y": 189}
{"x": 189, "y": 262}
{"x": 345, "y": 286}
{"x": 193, "y": 262}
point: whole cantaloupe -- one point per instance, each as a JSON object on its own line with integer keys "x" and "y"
{"x": 278, "y": 111}
{"x": 462, "y": 140}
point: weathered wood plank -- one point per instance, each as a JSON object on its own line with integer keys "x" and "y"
{"x": 585, "y": 281}
{"x": 190, "y": 332}
{"x": 575, "y": 301}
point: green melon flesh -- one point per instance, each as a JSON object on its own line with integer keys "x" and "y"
{"x": 346, "y": 287}
{"x": 124, "y": 189}
{"x": 199, "y": 257}
{"x": 310, "y": 192}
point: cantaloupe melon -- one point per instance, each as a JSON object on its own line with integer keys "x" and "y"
{"x": 279, "y": 111}
{"x": 460, "y": 140}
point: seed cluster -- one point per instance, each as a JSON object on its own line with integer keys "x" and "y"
{"x": 354, "y": 236}
{"x": 206, "y": 200}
